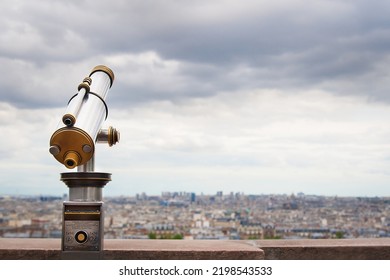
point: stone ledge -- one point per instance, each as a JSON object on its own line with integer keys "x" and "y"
{"x": 326, "y": 249}
{"x": 121, "y": 249}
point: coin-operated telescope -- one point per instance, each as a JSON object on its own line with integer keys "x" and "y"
{"x": 73, "y": 145}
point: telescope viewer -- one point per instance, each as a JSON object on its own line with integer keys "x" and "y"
{"x": 73, "y": 143}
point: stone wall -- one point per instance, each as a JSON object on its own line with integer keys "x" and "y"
{"x": 121, "y": 249}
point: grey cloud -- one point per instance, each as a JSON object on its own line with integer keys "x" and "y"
{"x": 220, "y": 46}
{"x": 295, "y": 47}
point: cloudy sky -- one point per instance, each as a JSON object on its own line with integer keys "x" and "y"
{"x": 245, "y": 96}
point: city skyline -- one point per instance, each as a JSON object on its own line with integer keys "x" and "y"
{"x": 258, "y": 97}
{"x": 172, "y": 192}
{"x": 181, "y": 215}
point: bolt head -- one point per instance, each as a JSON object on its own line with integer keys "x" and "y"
{"x": 87, "y": 148}
{"x": 54, "y": 150}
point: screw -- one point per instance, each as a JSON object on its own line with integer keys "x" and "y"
{"x": 54, "y": 150}
{"x": 87, "y": 148}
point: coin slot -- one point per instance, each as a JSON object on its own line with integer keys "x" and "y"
{"x": 81, "y": 236}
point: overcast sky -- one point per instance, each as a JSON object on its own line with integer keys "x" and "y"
{"x": 244, "y": 96}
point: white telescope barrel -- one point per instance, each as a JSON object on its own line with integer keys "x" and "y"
{"x": 74, "y": 144}
{"x": 94, "y": 110}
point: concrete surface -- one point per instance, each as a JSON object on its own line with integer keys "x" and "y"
{"x": 121, "y": 249}
{"x": 326, "y": 249}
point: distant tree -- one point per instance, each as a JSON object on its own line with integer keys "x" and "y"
{"x": 339, "y": 235}
{"x": 171, "y": 236}
{"x": 153, "y": 235}
{"x": 177, "y": 236}
{"x": 273, "y": 237}
{"x": 253, "y": 237}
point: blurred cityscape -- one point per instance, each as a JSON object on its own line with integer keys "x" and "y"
{"x": 183, "y": 215}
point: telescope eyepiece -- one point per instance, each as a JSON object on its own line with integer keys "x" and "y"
{"x": 72, "y": 159}
{"x": 70, "y": 163}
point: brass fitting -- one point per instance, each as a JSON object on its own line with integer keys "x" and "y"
{"x": 85, "y": 84}
{"x": 72, "y": 159}
{"x": 104, "y": 69}
{"x": 71, "y": 146}
{"x": 69, "y": 119}
{"x": 113, "y": 136}
{"x": 110, "y": 136}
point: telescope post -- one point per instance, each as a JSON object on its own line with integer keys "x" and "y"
{"x": 83, "y": 215}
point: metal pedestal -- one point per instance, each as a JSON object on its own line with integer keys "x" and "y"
{"x": 83, "y": 215}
